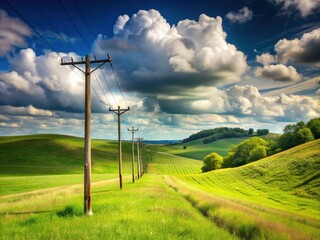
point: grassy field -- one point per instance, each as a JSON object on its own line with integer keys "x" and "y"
{"x": 164, "y": 163}
{"x": 148, "y": 209}
{"x": 58, "y": 154}
{"x": 275, "y": 198}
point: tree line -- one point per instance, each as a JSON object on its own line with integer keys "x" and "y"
{"x": 256, "y": 148}
{"x": 212, "y": 135}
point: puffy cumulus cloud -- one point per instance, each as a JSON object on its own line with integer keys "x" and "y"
{"x": 304, "y": 7}
{"x": 243, "y": 15}
{"x": 25, "y": 111}
{"x": 40, "y": 81}
{"x": 240, "y": 101}
{"x": 151, "y": 55}
{"x": 278, "y": 72}
{"x": 266, "y": 59}
{"x": 12, "y": 33}
{"x": 303, "y": 50}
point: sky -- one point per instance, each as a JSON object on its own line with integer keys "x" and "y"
{"x": 181, "y": 66}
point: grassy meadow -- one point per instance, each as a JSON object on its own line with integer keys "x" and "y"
{"x": 148, "y": 209}
{"x": 41, "y": 193}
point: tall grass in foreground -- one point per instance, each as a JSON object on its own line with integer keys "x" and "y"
{"x": 147, "y": 209}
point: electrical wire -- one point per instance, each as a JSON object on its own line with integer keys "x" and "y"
{"x": 93, "y": 35}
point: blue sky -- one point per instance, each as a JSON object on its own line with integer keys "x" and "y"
{"x": 181, "y": 66}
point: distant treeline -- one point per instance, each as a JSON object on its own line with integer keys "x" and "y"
{"x": 212, "y": 135}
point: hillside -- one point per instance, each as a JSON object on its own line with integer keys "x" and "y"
{"x": 197, "y": 150}
{"x": 274, "y": 198}
{"x": 295, "y": 171}
{"x": 57, "y": 154}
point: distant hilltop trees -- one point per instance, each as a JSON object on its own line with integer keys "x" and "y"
{"x": 255, "y": 148}
{"x": 215, "y": 134}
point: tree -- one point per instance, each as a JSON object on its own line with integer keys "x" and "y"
{"x": 257, "y": 153}
{"x": 303, "y": 135}
{"x": 184, "y": 147}
{"x": 314, "y": 125}
{"x": 250, "y": 132}
{"x": 295, "y": 134}
{"x": 261, "y": 132}
{"x": 247, "y": 151}
{"x": 211, "y": 162}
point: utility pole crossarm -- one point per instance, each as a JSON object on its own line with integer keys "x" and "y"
{"x": 103, "y": 61}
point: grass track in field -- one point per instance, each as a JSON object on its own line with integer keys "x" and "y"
{"x": 20, "y": 184}
{"x": 248, "y": 220}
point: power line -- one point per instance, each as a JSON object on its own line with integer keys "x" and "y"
{"x": 52, "y": 27}
{"x": 74, "y": 25}
{"x": 90, "y": 29}
{"x": 87, "y": 45}
{"x": 33, "y": 28}
{"x": 46, "y": 42}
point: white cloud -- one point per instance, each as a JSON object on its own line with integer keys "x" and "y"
{"x": 25, "y": 111}
{"x": 242, "y": 101}
{"x": 266, "y": 59}
{"x": 243, "y": 15}
{"x": 304, "y": 7}
{"x": 303, "y": 50}
{"x": 278, "y": 72}
{"x": 12, "y": 33}
{"x": 41, "y": 82}
{"x": 120, "y": 23}
{"x": 159, "y": 57}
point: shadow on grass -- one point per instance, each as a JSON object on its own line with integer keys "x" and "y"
{"x": 70, "y": 211}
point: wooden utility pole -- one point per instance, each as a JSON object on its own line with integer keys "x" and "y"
{"x": 132, "y": 130}
{"x": 87, "y": 129}
{"x": 140, "y": 165}
{"x": 138, "y": 161}
{"x": 119, "y": 112}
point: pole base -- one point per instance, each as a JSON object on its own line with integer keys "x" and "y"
{"x": 90, "y": 213}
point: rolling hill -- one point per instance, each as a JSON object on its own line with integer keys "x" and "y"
{"x": 274, "y": 197}
{"x": 58, "y": 154}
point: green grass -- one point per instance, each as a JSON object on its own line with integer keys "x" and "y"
{"x": 58, "y": 154}
{"x": 41, "y": 193}
{"x": 284, "y": 188}
{"x": 148, "y": 209}
{"x": 164, "y": 163}
{"x": 21, "y": 184}
{"x": 197, "y": 150}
